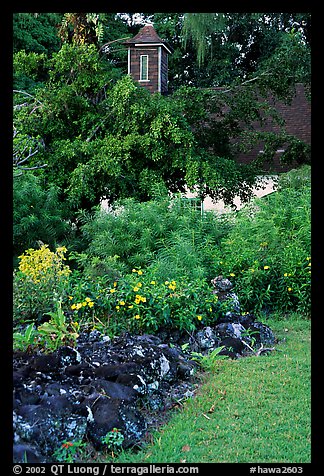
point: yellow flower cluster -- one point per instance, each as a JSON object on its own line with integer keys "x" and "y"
{"x": 137, "y": 287}
{"x": 79, "y": 305}
{"x": 42, "y": 265}
{"x": 139, "y": 299}
{"x": 120, "y": 303}
{"x": 138, "y": 271}
{"x": 171, "y": 285}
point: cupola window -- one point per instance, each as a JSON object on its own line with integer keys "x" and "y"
{"x": 144, "y": 68}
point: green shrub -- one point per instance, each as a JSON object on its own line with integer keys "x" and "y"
{"x": 138, "y": 302}
{"x": 267, "y": 253}
{"x": 38, "y": 214}
{"x": 50, "y": 335}
{"x": 58, "y": 330}
{"x": 148, "y": 266}
{"x": 171, "y": 239}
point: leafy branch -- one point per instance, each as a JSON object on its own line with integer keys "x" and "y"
{"x": 23, "y": 150}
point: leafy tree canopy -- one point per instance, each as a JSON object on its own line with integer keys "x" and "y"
{"x": 104, "y": 136}
{"x": 233, "y": 46}
{"x": 210, "y": 49}
{"x": 36, "y": 32}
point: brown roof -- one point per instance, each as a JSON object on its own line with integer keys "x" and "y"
{"x": 147, "y": 34}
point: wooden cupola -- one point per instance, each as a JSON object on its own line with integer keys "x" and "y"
{"x": 148, "y": 60}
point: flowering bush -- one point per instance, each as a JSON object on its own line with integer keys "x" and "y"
{"x": 271, "y": 288}
{"x": 147, "y": 304}
{"x": 267, "y": 253}
{"x": 41, "y": 276}
{"x": 44, "y": 265}
{"x": 138, "y": 302}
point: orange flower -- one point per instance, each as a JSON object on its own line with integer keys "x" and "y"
{"x": 67, "y": 444}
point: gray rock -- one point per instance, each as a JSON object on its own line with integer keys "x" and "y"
{"x": 85, "y": 392}
{"x": 88, "y": 391}
{"x": 38, "y": 424}
{"x": 263, "y": 334}
{"x": 206, "y": 338}
{"x": 221, "y": 284}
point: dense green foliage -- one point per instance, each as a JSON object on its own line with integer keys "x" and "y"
{"x": 38, "y": 214}
{"x": 170, "y": 240}
{"x": 106, "y": 137}
{"x": 268, "y": 250}
{"x": 265, "y": 251}
{"x": 117, "y": 140}
{"x": 36, "y": 32}
{"x": 84, "y": 131}
{"x": 148, "y": 266}
{"x": 236, "y": 46}
{"x": 96, "y": 134}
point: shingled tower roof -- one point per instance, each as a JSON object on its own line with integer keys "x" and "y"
{"x": 147, "y": 34}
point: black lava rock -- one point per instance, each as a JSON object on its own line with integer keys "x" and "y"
{"x": 104, "y": 383}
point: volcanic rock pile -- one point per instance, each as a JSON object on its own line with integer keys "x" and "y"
{"x": 83, "y": 393}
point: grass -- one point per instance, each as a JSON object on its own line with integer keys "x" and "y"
{"x": 255, "y": 409}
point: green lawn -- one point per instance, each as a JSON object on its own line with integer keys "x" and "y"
{"x": 255, "y": 409}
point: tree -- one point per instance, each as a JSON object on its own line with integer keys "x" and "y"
{"x": 131, "y": 143}
{"x": 36, "y": 32}
{"x": 138, "y": 143}
{"x": 241, "y": 43}
{"x": 199, "y": 27}
{"x": 81, "y": 28}
{"x": 24, "y": 148}
{"x": 106, "y": 137}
